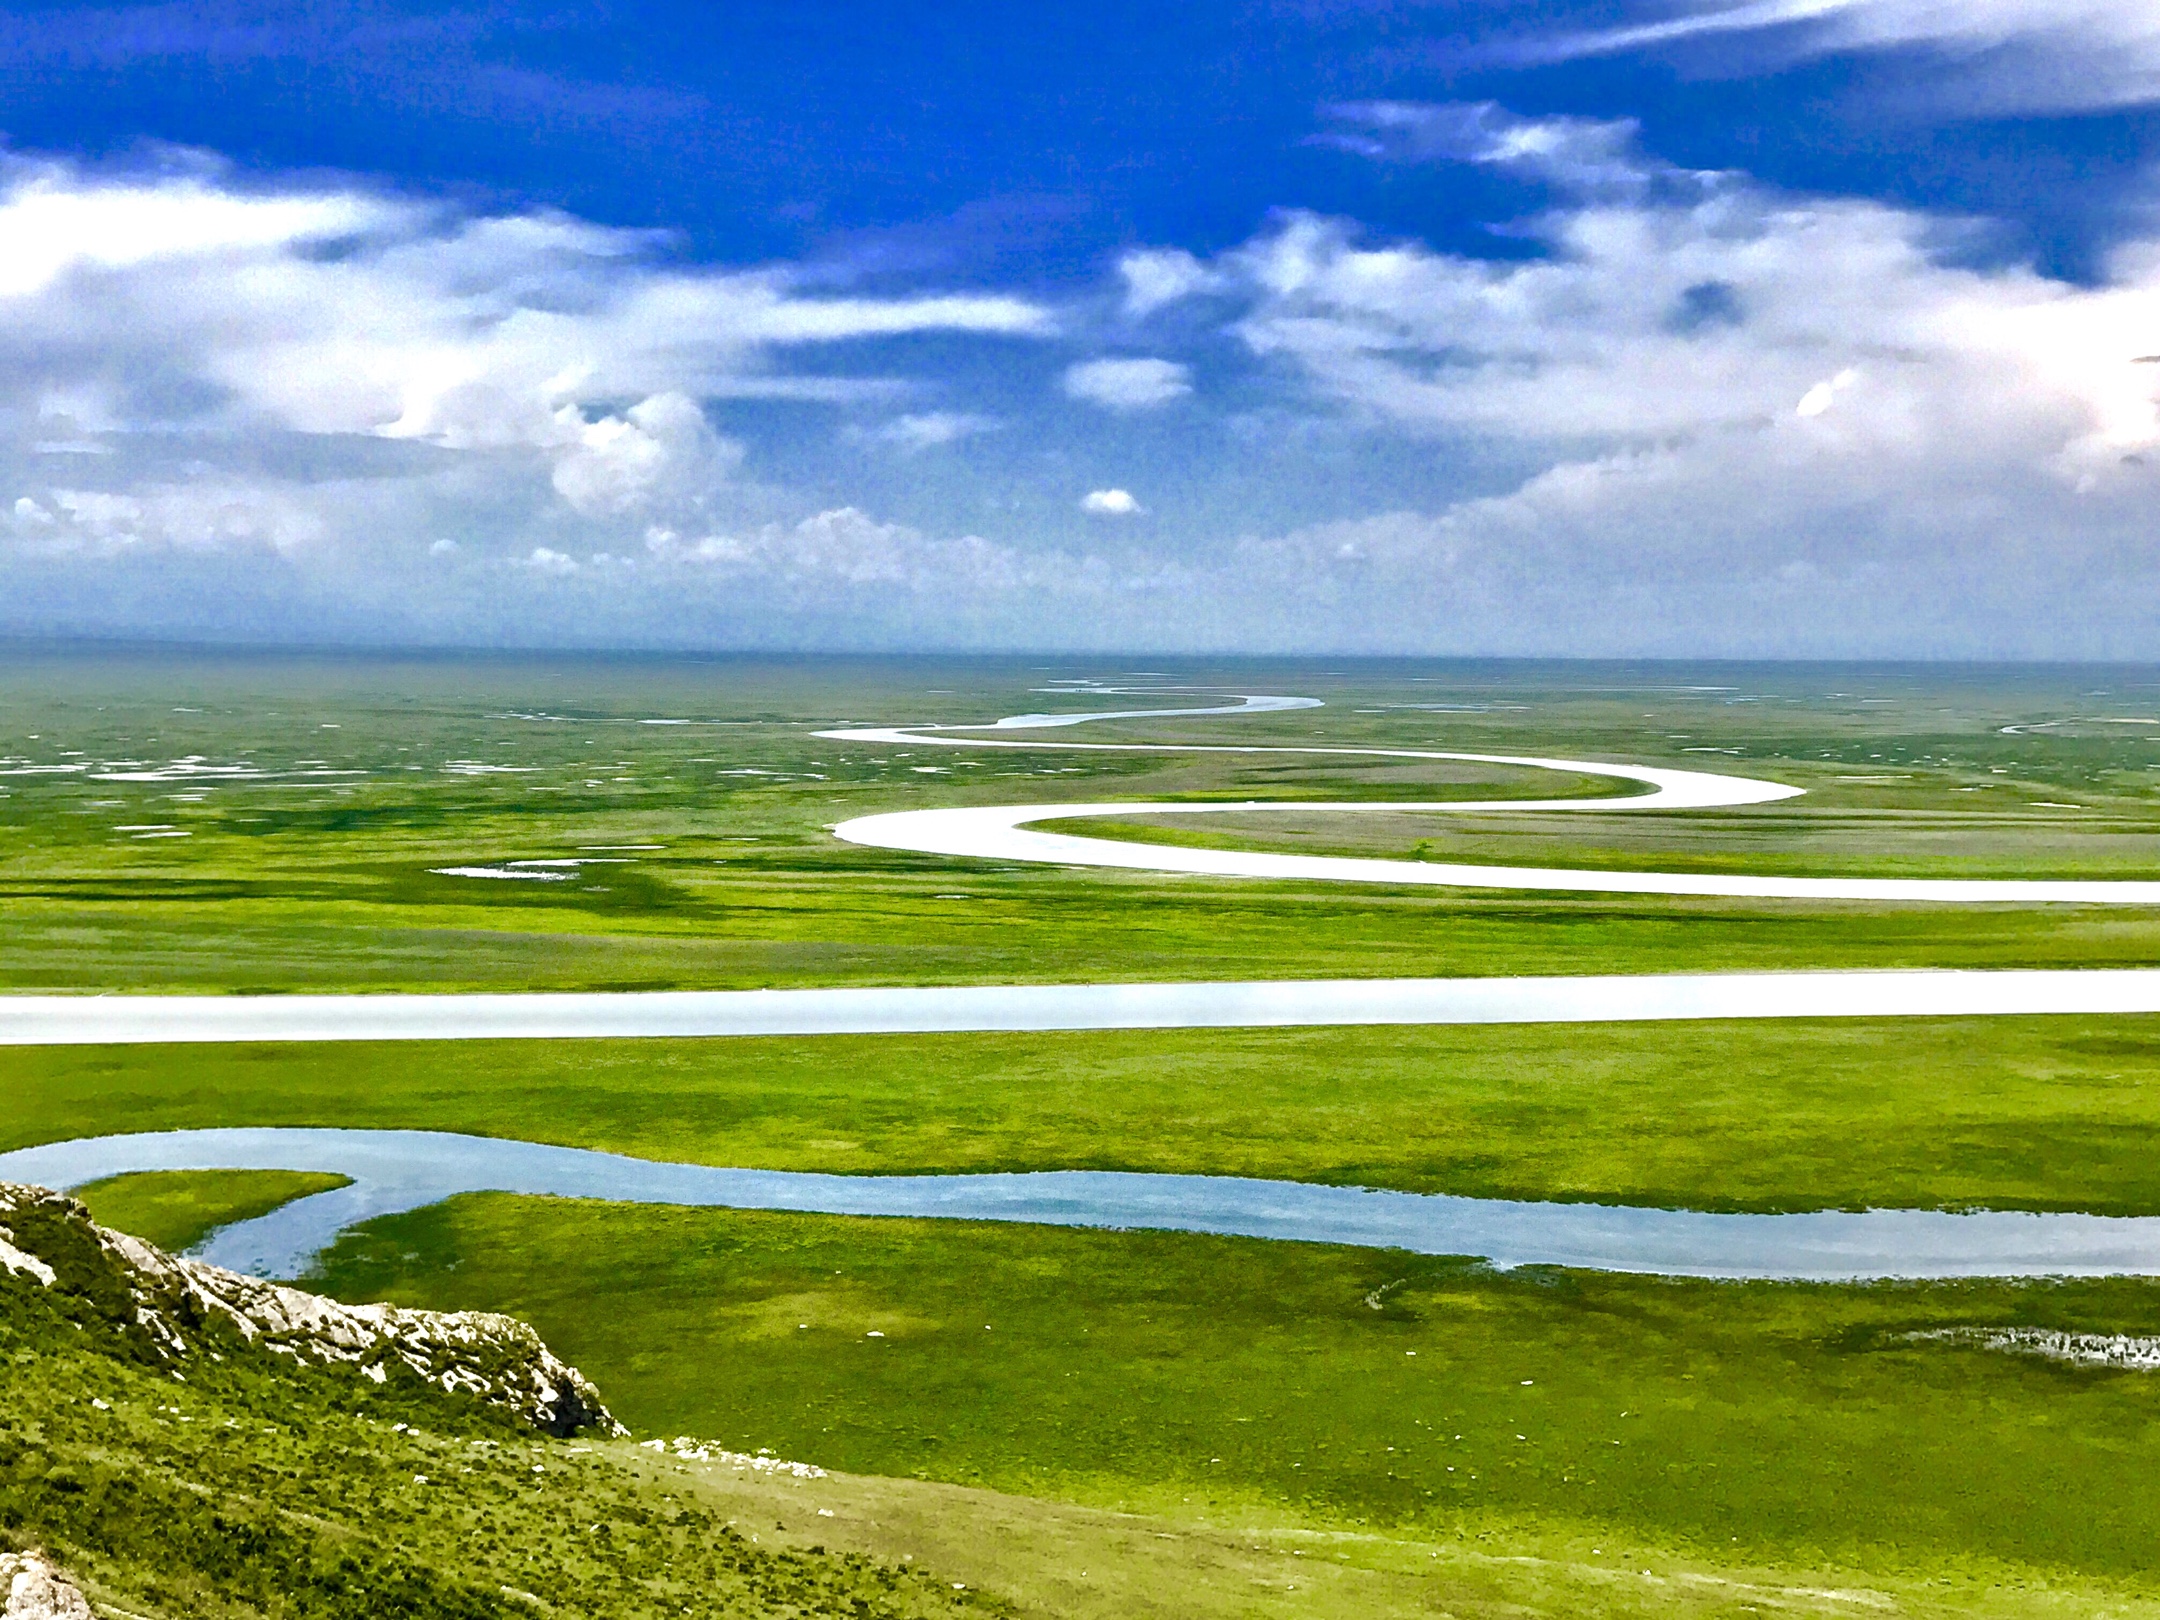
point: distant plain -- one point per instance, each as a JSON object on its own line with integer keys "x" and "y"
{"x": 270, "y": 824}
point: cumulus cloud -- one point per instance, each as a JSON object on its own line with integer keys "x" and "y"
{"x": 1712, "y": 308}
{"x": 1110, "y": 503}
{"x": 846, "y": 547}
{"x": 467, "y": 333}
{"x": 1128, "y": 385}
{"x": 2009, "y": 54}
{"x": 662, "y": 445}
{"x": 1737, "y": 420}
{"x": 1760, "y": 421}
{"x": 528, "y": 362}
{"x": 1154, "y": 277}
{"x": 210, "y": 515}
{"x": 1754, "y": 549}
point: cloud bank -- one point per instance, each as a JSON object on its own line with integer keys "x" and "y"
{"x": 139, "y": 315}
{"x": 1767, "y": 420}
{"x": 1732, "y": 419}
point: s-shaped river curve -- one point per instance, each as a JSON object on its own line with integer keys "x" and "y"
{"x": 1009, "y": 832}
{"x": 392, "y": 1171}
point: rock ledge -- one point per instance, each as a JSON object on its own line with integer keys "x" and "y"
{"x": 31, "y": 1589}
{"x": 172, "y": 1303}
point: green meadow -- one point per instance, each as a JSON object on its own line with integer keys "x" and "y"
{"x": 1212, "y": 1377}
{"x": 275, "y": 823}
{"x": 176, "y": 1209}
{"x": 258, "y": 825}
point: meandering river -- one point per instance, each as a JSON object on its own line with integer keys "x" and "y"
{"x": 401, "y": 1170}
{"x": 392, "y": 1171}
{"x": 1013, "y": 833}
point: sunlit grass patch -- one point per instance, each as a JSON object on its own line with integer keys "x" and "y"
{"x": 177, "y": 1209}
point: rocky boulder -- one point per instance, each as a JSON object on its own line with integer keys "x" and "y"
{"x": 34, "y": 1590}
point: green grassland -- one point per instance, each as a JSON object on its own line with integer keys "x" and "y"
{"x": 1795, "y": 1419}
{"x": 177, "y": 1209}
{"x": 1782, "y": 1444}
{"x": 256, "y": 1488}
{"x": 1213, "y": 1377}
{"x": 128, "y": 862}
{"x": 1438, "y": 1432}
{"x": 2032, "y": 840}
{"x": 249, "y": 1486}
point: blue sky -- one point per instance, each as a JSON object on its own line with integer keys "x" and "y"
{"x": 1778, "y": 327}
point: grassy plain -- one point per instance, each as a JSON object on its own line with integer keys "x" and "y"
{"x": 273, "y": 824}
{"x": 2051, "y": 841}
{"x": 1539, "y": 1436}
{"x": 254, "y": 1490}
{"x": 1216, "y": 1378}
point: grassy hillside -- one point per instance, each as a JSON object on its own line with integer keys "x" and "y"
{"x": 249, "y": 1487}
{"x": 231, "y": 1483}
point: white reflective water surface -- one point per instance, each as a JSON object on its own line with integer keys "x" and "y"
{"x": 1020, "y": 1008}
{"x": 1010, "y": 832}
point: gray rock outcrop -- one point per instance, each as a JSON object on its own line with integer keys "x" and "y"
{"x": 34, "y": 1590}
{"x": 174, "y": 1303}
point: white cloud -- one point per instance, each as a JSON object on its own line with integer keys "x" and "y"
{"x": 1582, "y": 154}
{"x": 1714, "y": 308}
{"x": 1749, "y": 421}
{"x": 1110, "y": 503}
{"x": 205, "y": 516}
{"x": 1824, "y": 394}
{"x": 1755, "y": 547}
{"x": 55, "y": 223}
{"x": 930, "y": 430}
{"x": 1128, "y": 385}
{"x": 2029, "y": 54}
{"x": 1764, "y": 422}
{"x": 846, "y": 547}
{"x": 662, "y": 445}
{"x": 1154, "y": 277}
{"x": 529, "y": 353}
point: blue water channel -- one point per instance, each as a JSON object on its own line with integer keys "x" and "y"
{"x": 392, "y": 1171}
